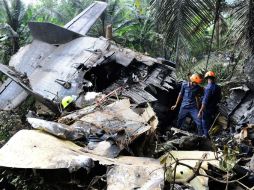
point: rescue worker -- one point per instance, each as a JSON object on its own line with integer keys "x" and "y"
{"x": 68, "y": 103}
{"x": 212, "y": 96}
{"x": 189, "y": 94}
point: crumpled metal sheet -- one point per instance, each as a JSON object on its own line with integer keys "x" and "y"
{"x": 120, "y": 124}
{"x": 138, "y": 173}
{"x": 239, "y": 106}
{"x": 125, "y": 56}
{"x": 118, "y": 117}
{"x": 138, "y": 95}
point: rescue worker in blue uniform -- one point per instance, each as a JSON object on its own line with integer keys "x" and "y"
{"x": 189, "y": 94}
{"x": 212, "y": 96}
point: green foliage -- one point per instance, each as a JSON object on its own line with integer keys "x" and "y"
{"x": 177, "y": 30}
{"x": 242, "y": 29}
{"x": 12, "y": 13}
{"x": 166, "y": 161}
{"x": 183, "y": 23}
{"x": 229, "y": 158}
{"x": 58, "y": 12}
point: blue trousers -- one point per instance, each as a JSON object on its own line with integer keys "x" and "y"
{"x": 207, "y": 120}
{"x": 193, "y": 112}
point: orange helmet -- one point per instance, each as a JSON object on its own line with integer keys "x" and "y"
{"x": 196, "y": 78}
{"x": 210, "y": 74}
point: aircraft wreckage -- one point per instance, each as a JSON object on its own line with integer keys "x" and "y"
{"x": 123, "y": 97}
{"x": 135, "y": 92}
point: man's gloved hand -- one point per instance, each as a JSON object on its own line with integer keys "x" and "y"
{"x": 173, "y": 107}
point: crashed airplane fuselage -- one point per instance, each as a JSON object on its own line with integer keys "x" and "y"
{"x": 44, "y": 51}
{"x": 62, "y": 61}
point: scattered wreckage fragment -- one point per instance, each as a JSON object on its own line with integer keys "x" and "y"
{"x": 239, "y": 107}
{"x": 44, "y": 151}
{"x": 106, "y": 130}
{"x": 233, "y": 131}
{"x": 184, "y": 167}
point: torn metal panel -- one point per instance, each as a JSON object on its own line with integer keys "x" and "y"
{"x": 16, "y": 77}
{"x": 158, "y": 75}
{"x": 239, "y": 106}
{"x": 116, "y": 117}
{"x": 125, "y": 56}
{"x": 119, "y": 122}
{"x": 244, "y": 112}
{"x": 84, "y": 21}
{"x": 106, "y": 148}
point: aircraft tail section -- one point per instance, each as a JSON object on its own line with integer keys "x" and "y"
{"x": 77, "y": 27}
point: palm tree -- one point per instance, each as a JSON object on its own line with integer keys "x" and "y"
{"x": 183, "y": 21}
{"x": 12, "y": 14}
{"x": 243, "y": 29}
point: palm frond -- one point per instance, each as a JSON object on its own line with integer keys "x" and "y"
{"x": 243, "y": 30}
{"x": 186, "y": 18}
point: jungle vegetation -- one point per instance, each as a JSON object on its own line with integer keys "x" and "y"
{"x": 189, "y": 32}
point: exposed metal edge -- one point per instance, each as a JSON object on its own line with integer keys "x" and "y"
{"x": 51, "y": 33}
{"x": 84, "y": 12}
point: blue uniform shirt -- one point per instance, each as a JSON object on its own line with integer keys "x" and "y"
{"x": 212, "y": 96}
{"x": 189, "y": 92}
